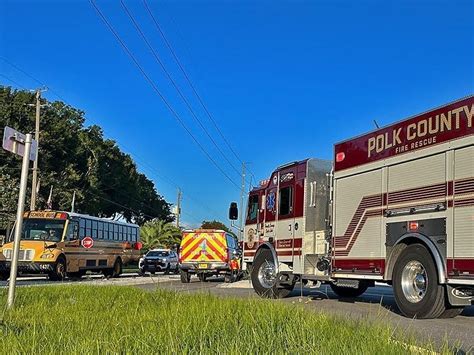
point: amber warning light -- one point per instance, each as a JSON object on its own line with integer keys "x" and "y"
{"x": 340, "y": 157}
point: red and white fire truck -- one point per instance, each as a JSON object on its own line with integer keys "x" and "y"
{"x": 396, "y": 205}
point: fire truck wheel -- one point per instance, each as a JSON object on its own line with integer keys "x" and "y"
{"x": 185, "y": 277}
{"x": 59, "y": 270}
{"x": 264, "y": 277}
{"x": 451, "y": 312}
{"x": 415, "y": 284}
{"x": 349, "y": 292}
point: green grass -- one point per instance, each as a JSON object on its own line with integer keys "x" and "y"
{"x": 88, "y": 319}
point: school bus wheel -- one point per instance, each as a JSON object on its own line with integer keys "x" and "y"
{"x": 76, "y": 275}
{"x": 59, "y": 269}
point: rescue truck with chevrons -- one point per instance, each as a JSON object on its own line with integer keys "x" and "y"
{"x": 207, "y": 252}
{"x": 396, "y": 205}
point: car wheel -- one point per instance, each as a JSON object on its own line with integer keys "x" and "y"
{"x": 415, "y": 284}
{"x": 264, "y": 277}
{"x": 185, "y": 277}
{"x": 349, "y": 292}
{"x": 59, "y": 270}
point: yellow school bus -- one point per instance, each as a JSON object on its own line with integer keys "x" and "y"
{"x": 62, "y": 244}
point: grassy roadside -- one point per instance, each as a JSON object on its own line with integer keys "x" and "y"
{"x": 85, "y": 319}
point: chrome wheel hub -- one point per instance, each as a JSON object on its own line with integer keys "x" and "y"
{"x": 267, "y": 274}
{"x": 414, "y": 281}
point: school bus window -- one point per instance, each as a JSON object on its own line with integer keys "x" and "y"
{"x": 100, "y": 230}
{"x": 286, "y": 201}
{"x": 88, "y": 227}
{"x": 82, "y": 228}
{"x": 94, "y": 230}
{"x": 106, "y": 230}
{"x": 116, "y": 232}
{"x": 72, "y": 231}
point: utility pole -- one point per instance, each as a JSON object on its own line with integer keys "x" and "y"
{"x": 242, "y": 193}
{"x": 34, "y": 180}
{"x": 178, "y": 207}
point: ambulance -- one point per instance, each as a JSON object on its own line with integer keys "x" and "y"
{"x": 207, "y": 252}
{"x": 395, "y": 205}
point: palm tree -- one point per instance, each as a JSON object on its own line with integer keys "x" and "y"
{"x": 158, "y": 233}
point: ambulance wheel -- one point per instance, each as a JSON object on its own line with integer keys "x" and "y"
{"x": 4, "y": 275}
{"x": 264, "y": 277}
{"x": 202, "y": 277}
{"x": 415, "y": 284}
{"x": 59, "y": 270}
{"x": 349, "y": 292}
{"x": 185, "y": 277}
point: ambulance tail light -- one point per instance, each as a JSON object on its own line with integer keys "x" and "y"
{"x": 413, "y": 226}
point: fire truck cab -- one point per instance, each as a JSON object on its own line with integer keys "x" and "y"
{"x": 396, "y": 205}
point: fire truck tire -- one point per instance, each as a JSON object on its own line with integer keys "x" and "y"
{"x": 349, "y": 292}
{"x": 264, "y": 279}
{"x": 415, "y": 284}
{"x": 185, "y": 277}
{"x": 451, "y": 312}
{"x": 59, "y": 270}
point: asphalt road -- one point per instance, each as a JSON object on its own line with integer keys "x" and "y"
{"x": 377, "y": 304}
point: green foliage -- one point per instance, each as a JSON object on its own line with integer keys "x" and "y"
{"x": 216, "y": 225}
{"x": 103, "y": 319}
{"x": 73, "y": 157}
{"x": 156, "y": 234}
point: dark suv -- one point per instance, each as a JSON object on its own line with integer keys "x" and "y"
{"x": 159, "y": 260}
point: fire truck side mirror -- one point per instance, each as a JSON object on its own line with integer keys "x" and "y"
{"x": 233, "y": 211}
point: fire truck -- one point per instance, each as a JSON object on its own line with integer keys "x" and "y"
{"x": 395, "y": 205}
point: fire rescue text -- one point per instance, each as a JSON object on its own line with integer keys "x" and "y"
{"x": 421, "y": 133}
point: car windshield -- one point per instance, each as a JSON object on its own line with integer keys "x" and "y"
{"x": 42, "y": 229}
{"x": 158, "y": 253}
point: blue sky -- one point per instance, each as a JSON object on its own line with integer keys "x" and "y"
{"x": 284, "y": 80}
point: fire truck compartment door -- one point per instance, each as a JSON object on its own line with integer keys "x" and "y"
{"x": 463, "y": 222}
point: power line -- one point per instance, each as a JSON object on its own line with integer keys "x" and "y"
{"x": 13, "y": 81}
{"x": 173, "y": 82}
{"x": 160, "y": 95}
{"x": 188, "y": 79}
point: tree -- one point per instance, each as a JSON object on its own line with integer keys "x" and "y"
{"x": 158, "y": 233}
{"x": 74, "y": 158}
{"x": 216, "y": 225}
